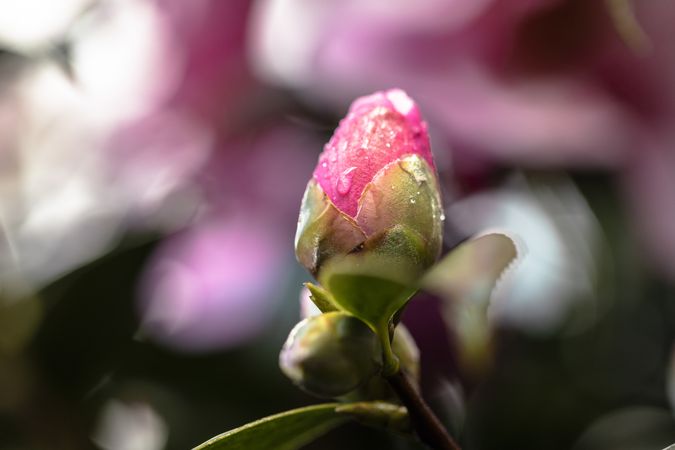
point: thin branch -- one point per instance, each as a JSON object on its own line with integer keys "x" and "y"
{"x": 427, "y": 425}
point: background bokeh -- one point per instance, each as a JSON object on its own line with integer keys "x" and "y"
{"x": 153, "y": 154}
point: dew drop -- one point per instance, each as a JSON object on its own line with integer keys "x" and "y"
{"x": 324, "y": 165}
{"x": 442, "y": 216}
{"x": 344, "y": 182}
{"x": 412, "y": 200}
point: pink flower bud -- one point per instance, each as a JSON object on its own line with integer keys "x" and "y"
{"x": 374, "y": 193}
{"x": 379, "y": 129}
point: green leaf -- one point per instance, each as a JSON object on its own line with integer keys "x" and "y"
{"x": 465, "y": 279}
{"x": 375, "y": 282}
{"x": 284, "y": 431}
{"x": 371, "y": 298}
{"x": 379, "y": 414}
{"x": 321, "y": 298}
{"x": 292, "y": 429}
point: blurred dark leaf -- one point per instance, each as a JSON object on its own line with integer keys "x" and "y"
{"x": 90, "y": 320}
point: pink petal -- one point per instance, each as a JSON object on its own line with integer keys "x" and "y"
{"x": 379, "y": 128}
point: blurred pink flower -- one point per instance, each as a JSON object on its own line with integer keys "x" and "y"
{"x": 213, "y": 286}
{"x": 217, "y": 283}
{"x": 217, "y": 85}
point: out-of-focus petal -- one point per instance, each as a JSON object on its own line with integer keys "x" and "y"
{"x": 213, "y": 286}
{"x": 30, "y": 25}
{"x": 650, "y": 188}
{"x": 151, "y": 159}
{"x": 294, "y": 42}
{"x": 130, "y": 426}
{"x": 125, "y": 57}
{"x": 217, "y": 84}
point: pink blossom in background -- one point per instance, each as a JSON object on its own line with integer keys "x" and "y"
{"x": 213, "y": 286}
{"x": 217, "y": 283}
{"x": 217, "y": 85}
{"x": 261, "y": 170}
{"x": 153, "y": 162}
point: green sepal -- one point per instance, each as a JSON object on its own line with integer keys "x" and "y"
{"x": 405, "y": 194}
{"x": 323, "y": 231}
{"x": 321, "y": 298}
{"x": 372, "y": 299}
{"x": 374, "y": 282}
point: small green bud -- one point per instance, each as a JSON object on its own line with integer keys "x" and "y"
{"x": 331, "y": 354}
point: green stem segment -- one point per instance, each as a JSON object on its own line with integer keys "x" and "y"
{"x": 391, "y": 364}
{"x": 428, "y": 427}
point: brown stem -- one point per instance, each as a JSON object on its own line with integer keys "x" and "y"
{"x": 427, "y": 425}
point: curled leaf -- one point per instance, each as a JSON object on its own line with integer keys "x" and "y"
{"x": 465, "y": 280}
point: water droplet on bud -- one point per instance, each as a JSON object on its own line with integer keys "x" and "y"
{"x": 344, "y": 182}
